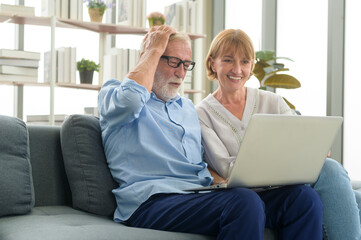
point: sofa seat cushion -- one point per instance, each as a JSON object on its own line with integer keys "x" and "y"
{"x": 63, "y": 222}
{"x": 16, "y": 184}
{"x": 90, "y": 181}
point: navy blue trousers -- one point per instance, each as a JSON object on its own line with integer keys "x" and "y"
{"x": 295, "y": 212}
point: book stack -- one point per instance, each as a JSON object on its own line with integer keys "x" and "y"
{"x": 17, "y": 10}
{"x": 65, "y": 65}
{"x": 181, "y": 16}
{"x": 118, "y": 62}
{"x": 91, "y": 111}
{"x": 44, "y": 119}
{"x": 68, "y": 9}
{"x": 19, "y": 66}
{"x": 131, "y": 12}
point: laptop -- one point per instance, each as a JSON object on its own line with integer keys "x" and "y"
{"x": 279, "y": 150}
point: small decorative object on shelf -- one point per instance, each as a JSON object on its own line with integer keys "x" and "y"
{"x": 96, "y": 9}
{"x": 86, "y": 70}
{"x": 156, "y": 19}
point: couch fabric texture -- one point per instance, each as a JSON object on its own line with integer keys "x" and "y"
{"x": 90, "y": 181}
{"x": 16, "y": 183}
{"x": 72, "y": 185}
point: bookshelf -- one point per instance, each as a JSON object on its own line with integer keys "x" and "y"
{"x": 103, "y": 29}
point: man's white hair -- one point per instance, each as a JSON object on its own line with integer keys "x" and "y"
{"x": 179, "y": 36}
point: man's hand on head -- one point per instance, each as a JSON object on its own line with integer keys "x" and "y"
{"x": 154, "y": 45}
{"x": 157, "y": 39}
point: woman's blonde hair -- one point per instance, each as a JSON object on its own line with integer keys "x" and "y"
{"x": 229, "y": 40}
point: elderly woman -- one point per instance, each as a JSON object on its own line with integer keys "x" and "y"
{"x": 224, "y": 116}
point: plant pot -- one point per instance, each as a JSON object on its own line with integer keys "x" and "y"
{"x": 86, "y": 77}
{"x": 95, "y": 15}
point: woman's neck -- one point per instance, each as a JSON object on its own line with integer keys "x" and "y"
{"x": 234, "y": 102}
{"x": 231, "y": 98}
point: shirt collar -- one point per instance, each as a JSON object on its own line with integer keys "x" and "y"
{"x": 177, "y": 99}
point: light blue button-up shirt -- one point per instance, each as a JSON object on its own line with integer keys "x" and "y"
{"x": 151, "y": 146}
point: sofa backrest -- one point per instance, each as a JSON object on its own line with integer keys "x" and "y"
{"x": 49, "y": 177}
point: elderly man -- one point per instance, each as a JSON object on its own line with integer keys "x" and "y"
{"x": 152, "y": 141}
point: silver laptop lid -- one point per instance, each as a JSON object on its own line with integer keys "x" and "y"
{"x": 283, "y": 149}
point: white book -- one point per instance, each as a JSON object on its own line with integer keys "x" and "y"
{"x": 171, "y": 13}
{"x": 66, "y": 64}
{"x": 143, "y": 20}
{"x": 10, "y": 53}
{"x": 106, "y": 67}
{"x": 19, "y": 62}
{"x": 40, "y": 118}
{"x": 80, "y": 10}
{"x": 119, "y": 69}
{"x": 108, "y": 16}
{"x": 60, "y": 65}
{"x": 58, "y": 8}
{"x": 125, "y": 66}
{"x": 47, "y": 66}
{"x": 133, "y": 58}
{"x": 64, "y": 9}
{"x": 47, "y": 8}
{"x": 18, "y": 78}
{"x": 17, "y": 9}
{"x": 109, "y": 70}
{"x": 19, "y": 70}
{"x": 125, "y": 12}
{"x": 91, "y": 111}
{"x": 136, "y": 13}
{"x": 73, "y": 9}
{"x": 183, "y": 15}
{"x": 192, "y": 8}
{"x": 73, "y": 65}
{"x": 187, "y": 82}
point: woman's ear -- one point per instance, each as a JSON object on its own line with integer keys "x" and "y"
{"x": 211, "y": 61}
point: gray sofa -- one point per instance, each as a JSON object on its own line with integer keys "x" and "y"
{"x": 55, "y": 184}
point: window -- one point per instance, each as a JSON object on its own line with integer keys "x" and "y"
{"x": 352, "y": 114}
{"x": 302, "y": 36}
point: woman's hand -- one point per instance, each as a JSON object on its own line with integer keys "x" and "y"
{"x": 217, "y": 179}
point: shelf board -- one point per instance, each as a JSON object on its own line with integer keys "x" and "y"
{"x": 105, "y": 28}
{"x": 4, "y": 17}
{"x": 39, "y": 21}
{"x": 76, "y": 86}
{"x": 79, "y": 86}
{"x": 91, "y": 26}
{"x": 193, "y": 91}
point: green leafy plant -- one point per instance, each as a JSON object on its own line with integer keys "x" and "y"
{"x": 267, "y": 71}
{"x": 87, "y": 65}
{"x": 156, "y": 18}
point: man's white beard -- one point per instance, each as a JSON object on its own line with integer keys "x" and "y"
{"x": 162, "y": 89}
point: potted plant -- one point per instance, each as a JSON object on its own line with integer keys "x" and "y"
{"x": 266, "y": 70}
{"x": 156, "y": 19}
{"x": 96, "y": 9}
{"x": 86, "y": 70}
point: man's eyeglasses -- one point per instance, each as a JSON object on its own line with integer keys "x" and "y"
{"x": 174, "y": 62}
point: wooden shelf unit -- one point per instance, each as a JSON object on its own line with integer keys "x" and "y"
{"x": 102, "y": 28}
